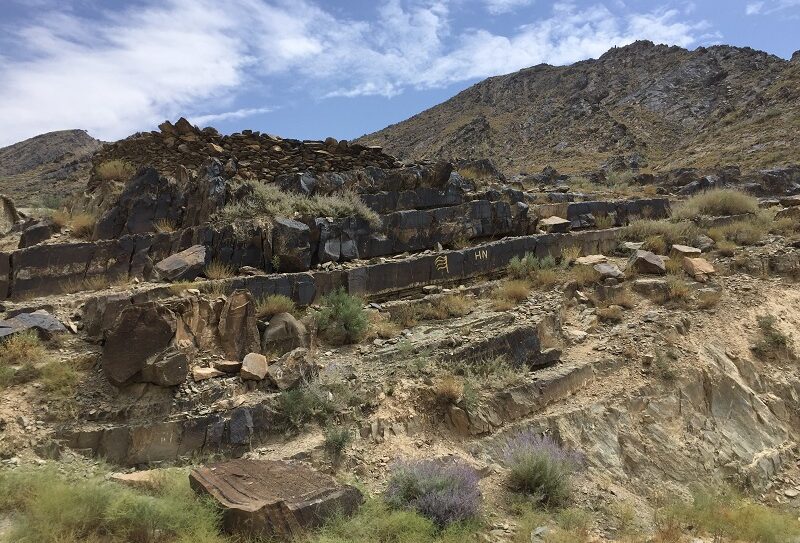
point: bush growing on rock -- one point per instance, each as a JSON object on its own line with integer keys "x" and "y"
{"x": 668, "y": 232}
{"x": 539, "y": 467}
{"x": 337, "y": 438}
{"x": 114, "y": 170}
{"x": 342, "y": 318}
{"x": 773, "y": 345}
{"x": 272, "y": 304}
{"x": 716, "y": 203}
{"x": 443, "y": 492}
{"x": 218, "y": 270}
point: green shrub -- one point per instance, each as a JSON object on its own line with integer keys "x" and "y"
{"x": 723, "y": 514}
{"x": 337, "y": 438}
{"x": 342, "y": 318}
{"x": 49, "y": 507}
{"x": 716, "y": 203}
{"x": 539, "y": 467}
{"x": 302, "y": 404}
{"x": 773, "y": 344}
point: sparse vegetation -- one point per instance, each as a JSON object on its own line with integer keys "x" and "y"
{"x": 448, "y": 390}
{"x": 612, "y": 313}
{"x": 444, "y": 492}
{"x": 382, "y": 327}
{"x": 82, "y": 225}
{"x": 716, "y": 203}
{"x": 726, "y": 248}
{"x": 773, "y": 344}
{"x": 583, "y": 275}
{"x": 21, "y": 348}
{"x": 114, "y": 170}
{"x": 443, "y": 307}
{"x": 604, "y": 222}
{"x": 539, "y": 467}
{"x": 302, "y": 404}
{"x": 510, "y": 293}
{"x": 664, "y": 367}
{"x": 337, "y": 438}
{"x": 273, "y": 304}
{"x": 269, "y": 201}
{"x": 50, "y": 507}
{"x": 570, "y": 254}
{"x": 707, "y": 299}
{"x": 164, "y": 226}
{"x": 669, "y": 232}
{"x": 342, "y": 318}
{"x": 722, "y": 513}
{"x": 218, "y": 270}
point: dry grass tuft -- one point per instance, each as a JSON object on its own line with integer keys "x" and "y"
{"x": 604, "y": 222}
{"x": 612, "y": 313}
{"x": 382, "y": 327}
{"x": 655, "y": 244}
{"x": 21, "y": 348}
{"x": 448, "y": 390}
{"x": 726, "y": 248}
{"x": 269, "y": 201}
{"x": 674, "y": 266}
{"x": 272, "y": 304}
{"x": 570, "y": 254}
{"x": 82, "y": 225}
{"x": 218, "y": 270}
{"x": 164, "y": 226}
{"x": 584, "y": 275}
{"x": 114, "y": 170}
{"x": 510, "y": 293}
{"x": 716, "y": 203}
{"x": 670, "y": 232}
{"x": 707, "y": 299}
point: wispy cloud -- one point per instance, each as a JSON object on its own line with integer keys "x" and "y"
{"x": 768, "y": 7}
{"x": 126, "y": 70}
{"x": 504, "y": 6}
{"x": 243, "y": 113}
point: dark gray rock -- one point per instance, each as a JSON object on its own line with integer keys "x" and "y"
{"x": 35, "y": 233}
{"x": 283, "y": 334}
{"x": 185, "y": 265}
{"x": 169, "y": 368}
{"x": 41, "y": 321}
{"x": 142, "y": 331}
{"x": 291, "y": 242}
{"x": 647, "y": 262}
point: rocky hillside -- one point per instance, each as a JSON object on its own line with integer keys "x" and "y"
{"x": 47, "y": 166}
{"x": 658, "y": 106}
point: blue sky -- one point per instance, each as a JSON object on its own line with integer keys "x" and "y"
{"x": 311, "y": 69}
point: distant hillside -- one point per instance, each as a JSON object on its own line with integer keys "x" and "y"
{"x": 47, "y": 166}
{"x": 670, "y": 106}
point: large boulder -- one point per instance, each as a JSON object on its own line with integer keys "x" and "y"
{"x": 291, "y": 243}
{"x": 168, "y": 368}
{"x": 254, "y": 367}
{"x": 647, "y": 262}
{"x": 292, "y": 368}
{"x": 237, "y": 328}
{"x": 699, "y": 268}
{"x": 283, "y": 334}
{"x": 35, "y": 233}
{"x": 140, "y": 333}
{"x": 555, "y": 225}
{"x": 270, "y": 498}
{"x": 185, "y": 265}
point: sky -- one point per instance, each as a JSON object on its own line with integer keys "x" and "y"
{"x": 310, "y": 69}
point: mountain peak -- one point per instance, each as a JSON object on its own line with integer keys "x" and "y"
{"x": 667, "y": 104}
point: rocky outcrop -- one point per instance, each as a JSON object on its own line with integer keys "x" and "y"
{"x": 246, "y": 155}
{"x": 263, "y": 498}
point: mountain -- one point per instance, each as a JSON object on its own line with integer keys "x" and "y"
{"x": 47, "y": 167}
{"x": 662, "y": 106}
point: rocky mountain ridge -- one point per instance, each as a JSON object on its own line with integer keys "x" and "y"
{"x": 50, "y": 165}
{"x": 659, "y": 107}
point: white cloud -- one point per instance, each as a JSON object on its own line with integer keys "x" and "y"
{"x": 504, "y": 6}
{"x": 203, "y": 120}
{"x": 131, "y": 69}
{"x": 768, "y": 7}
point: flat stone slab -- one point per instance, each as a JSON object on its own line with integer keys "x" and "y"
{"x": 591, "y": 260}
{"x": 41, "y": 321}
{"x": 272, "y": 497}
